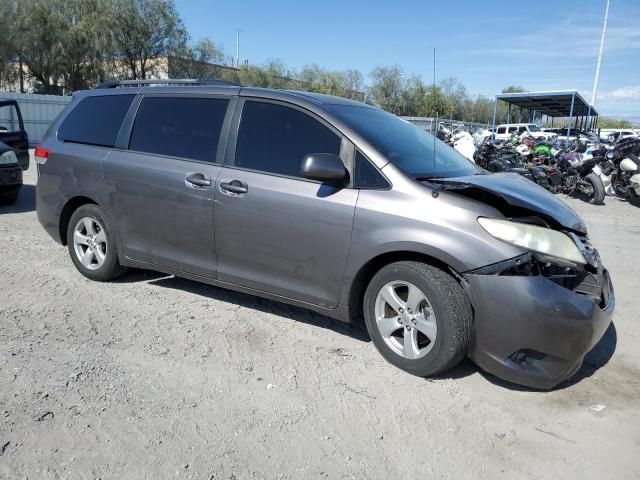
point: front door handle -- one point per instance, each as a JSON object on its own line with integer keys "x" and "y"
{"x": 234, "y": 186}
{"x": 197, "y": 180}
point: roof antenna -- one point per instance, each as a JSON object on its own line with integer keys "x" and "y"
{"x": 435, "y": 193}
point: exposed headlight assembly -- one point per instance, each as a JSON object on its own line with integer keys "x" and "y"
{"x": 544, "y": 241}
{"x": 8, "y": 158}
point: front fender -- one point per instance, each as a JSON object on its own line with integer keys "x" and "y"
{"x": 443, "y": 228}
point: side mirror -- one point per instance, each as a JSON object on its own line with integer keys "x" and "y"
{"x": 325, "y": 167}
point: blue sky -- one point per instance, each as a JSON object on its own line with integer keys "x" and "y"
{"x": 486, "y": 45}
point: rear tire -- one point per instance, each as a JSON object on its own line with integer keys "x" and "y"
{"x": 10, "y": 195}
{"x": 92, "y": 245}
{"x": 439, "y": 323}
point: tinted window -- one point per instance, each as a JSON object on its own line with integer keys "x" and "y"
{"x": 368, "y": 176}
{"x": 502, "y": 129}
{"x": 179, "y": 127}
{"x": 95, "y": 120}
{"x": 274, "y": 138}
{"x": 410, "y": 148}
{"x": 513, "y": 129}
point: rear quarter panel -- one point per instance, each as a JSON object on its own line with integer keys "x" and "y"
{"x": 72, "y": 170}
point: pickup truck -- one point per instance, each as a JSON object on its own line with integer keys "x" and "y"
{"x": 14, "y": 151}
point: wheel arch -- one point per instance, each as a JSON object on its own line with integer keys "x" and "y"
{"x": 65, "y": 215}
{"x": 366, "y": 272}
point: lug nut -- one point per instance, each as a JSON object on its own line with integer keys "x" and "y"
{"x": 401, "y": 310}
{"x": 408, "y": 328}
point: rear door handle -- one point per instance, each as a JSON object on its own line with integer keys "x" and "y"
{"x": 197, "y": 180}
{"x": 234, "y": 186}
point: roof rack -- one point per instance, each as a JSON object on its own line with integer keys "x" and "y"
{"x": 163, "y": 82}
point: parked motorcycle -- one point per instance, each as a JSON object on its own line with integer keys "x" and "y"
{"x": 460, "y": 140}
{"x": 557, "y": 171}
{"x": 619, "y": 169}
{"x": 579, "y": 177}
{"x": 463, "y": 143}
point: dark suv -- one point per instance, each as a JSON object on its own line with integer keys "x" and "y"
{"x": 331, "y": 205}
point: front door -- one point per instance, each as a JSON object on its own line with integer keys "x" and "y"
{"x": 275, "y": 231}
{"x": 161, "y": 190}
{"x": 12, "y": 131}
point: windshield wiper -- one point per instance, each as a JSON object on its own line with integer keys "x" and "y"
{"x": 428, "y": 179}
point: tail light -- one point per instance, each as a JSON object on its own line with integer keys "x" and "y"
{"x": 41, "y": 154}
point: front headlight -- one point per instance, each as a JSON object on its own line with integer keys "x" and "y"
{"x": 8, "y": 158}
{"x": 544, "y": 241}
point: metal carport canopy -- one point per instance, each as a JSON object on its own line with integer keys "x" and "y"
{"x": 551, "y": 104}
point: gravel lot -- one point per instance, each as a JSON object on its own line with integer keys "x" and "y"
{"x": 156, "y": 377}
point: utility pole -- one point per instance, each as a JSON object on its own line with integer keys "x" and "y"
{"x": 237, "y": 48}
{"x": 21, "y": 73}
{"x": 597, "y": 79}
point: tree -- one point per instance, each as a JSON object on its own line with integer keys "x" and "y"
{"x": 386, "y": 88}
{"x": 436, "y": 102}
{"x": 514, "y": 89}
{"x": 202, "y": 60}
{"x": 40, "y": 48}
{"x": 86, "y": 49}
{"x": 503, "y": 109}
{"x": 8, "y": 46}
{"x": 353, "y": 84}
{"x": 70, "y": 46}
{"x": 456, "y": 99}
{"x": 146, "y": 33}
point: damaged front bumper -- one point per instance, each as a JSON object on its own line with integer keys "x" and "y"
{"x": 534, "y": 322}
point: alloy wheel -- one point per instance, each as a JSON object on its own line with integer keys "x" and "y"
{"x": 405, "y": 319}
{"x": 90, "y": 243}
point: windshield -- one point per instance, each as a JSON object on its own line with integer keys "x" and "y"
{"x": 534, "y": 128}
{"x": 406, "y": 146}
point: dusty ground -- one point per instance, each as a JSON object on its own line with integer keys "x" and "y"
{"x": 157, "y": 377}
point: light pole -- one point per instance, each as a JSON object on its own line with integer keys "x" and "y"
{"x": 237, "y": 48}
{"x": 594, "y": 94}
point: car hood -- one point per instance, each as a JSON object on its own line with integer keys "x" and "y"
{"x": 522, "y": 193}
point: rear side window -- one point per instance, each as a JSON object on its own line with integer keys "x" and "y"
{"x": 179, "y": 127}
{"x": 95, "y": 120}
{"x": 367, "y": 176}
{"x": 502, "y": 129}
{"x": 274, "y": 138}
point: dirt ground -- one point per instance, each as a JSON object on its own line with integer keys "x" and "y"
{"x": 157, "y": 377}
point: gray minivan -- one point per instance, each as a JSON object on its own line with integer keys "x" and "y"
{"x": 332, "y": 205}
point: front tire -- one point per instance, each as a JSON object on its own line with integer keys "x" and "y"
{"x": 418, "y": 317}
{"x": 92, "y": 245}
{"x": 595, "y": 182}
